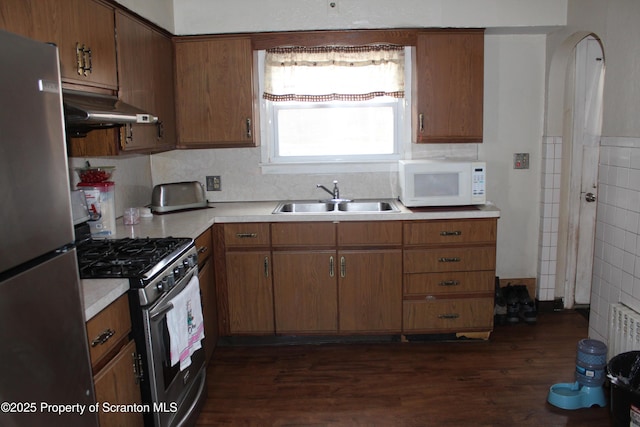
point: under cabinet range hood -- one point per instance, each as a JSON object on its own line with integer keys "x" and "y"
{"x": 84, "y": 112}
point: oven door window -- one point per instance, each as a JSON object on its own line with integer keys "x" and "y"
{"x": 169, "y": 373}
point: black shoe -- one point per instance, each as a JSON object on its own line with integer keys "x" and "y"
{"x": 527, "y": 312}
{"x": 513, "y": 304}
{"x": 500, "y": 307}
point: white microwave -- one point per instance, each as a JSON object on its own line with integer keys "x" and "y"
{"x": 442, "y": 182}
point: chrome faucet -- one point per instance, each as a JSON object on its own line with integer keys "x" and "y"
{"x": 335, "y": 193}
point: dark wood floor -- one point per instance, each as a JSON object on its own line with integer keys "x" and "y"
{"x": 500, "y": 382}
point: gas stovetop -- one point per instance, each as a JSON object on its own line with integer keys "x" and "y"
{"x": 128, "y": 258}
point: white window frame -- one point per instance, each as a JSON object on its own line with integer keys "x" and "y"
{"x": 273, "y": 164}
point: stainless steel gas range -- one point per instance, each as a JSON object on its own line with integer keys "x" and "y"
{"x": 158, "y": 269}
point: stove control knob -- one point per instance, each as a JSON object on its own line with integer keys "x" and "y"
{"x": 178, "y": 272}
{"x": 193, "y": 260}
{"x": 187, "y": 263}
{"x": 170, "y": 280}
{"x": 163, "y": 285}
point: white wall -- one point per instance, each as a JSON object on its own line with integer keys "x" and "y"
{"x": 160, "y": 12}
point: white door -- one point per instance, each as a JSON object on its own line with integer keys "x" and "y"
{"x": 585, "y": 151}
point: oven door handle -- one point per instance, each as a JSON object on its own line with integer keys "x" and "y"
{"x": 161, "y": 311}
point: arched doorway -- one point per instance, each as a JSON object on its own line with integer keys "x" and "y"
{"x": 575, "y": 113}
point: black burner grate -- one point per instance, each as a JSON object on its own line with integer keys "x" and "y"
{"x": 130, "y": 258}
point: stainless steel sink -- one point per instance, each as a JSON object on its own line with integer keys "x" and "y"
{"x": 305, "y": 207}
{"x": 311, "y": 207}
{"x": 367, "y": 207}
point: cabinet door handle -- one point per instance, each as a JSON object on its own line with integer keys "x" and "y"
{"x": 160, "y": 129}
{"x": 451, "y": 233}
{"x": 421, "y": 123}
{"x": 266, "y": 267}
{"x": 83, "y": 60}
{"x": 249, "y": 132}
{"x": 202, "y": 249}
{"x": 331, "y": 267}
{"x": 128, "y": 133}
{"x": 247, "y": 235}
{"x": 88, "y": 62}
{"x": 343, "y": 267}
{"x": 451, "y": 259}
{"x": 448, "y": 316}
{"x": 103, "y": 337}
{"x": 79, "y": 59}
{"x": 449, "y": 283}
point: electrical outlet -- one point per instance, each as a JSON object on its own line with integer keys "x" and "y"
{"x": 214, "y": 183}
{"x": 521, "y": 161}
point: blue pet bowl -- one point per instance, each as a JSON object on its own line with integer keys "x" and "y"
{"x": 575, "y": 396}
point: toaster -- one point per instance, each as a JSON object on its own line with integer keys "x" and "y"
{"x": 178, "y": 196}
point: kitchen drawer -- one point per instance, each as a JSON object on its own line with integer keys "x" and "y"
{"x": 306, "y": 234}
{"x": 449, "y": 259}
{"x": 456, "y": 282}
{"x": 448, "y": 315}
{"x": 370, "y": 233}
{"x": 204, "y": 246}
{"x": 107, "y": 328}
{"x": 247, "y": 234}
{"x": 450, "y": 232}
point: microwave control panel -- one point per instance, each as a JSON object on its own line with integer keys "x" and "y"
{"x": 478, "y": 178}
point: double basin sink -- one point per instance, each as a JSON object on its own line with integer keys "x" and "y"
{"x": 335, "y": 207}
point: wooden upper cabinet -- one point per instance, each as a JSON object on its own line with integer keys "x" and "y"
{"x": 215, "y": 92}
{"x": 83, "y": 30}
{"x": 145, "y": 67}
{"x": 450, "y": 86}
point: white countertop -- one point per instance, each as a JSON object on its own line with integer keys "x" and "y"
{"x": 99, "y": 293}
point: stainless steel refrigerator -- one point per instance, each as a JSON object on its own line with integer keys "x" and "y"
{"x": 44, "y": 357}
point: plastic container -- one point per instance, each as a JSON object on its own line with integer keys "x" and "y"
{"x": 102, "y": 209}
{"x": 591, "y": 361}
{"x": 625, "y": 398}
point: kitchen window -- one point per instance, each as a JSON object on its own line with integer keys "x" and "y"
{"x": 334, "y": 108}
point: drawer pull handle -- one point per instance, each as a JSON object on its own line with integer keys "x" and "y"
{"x": 448, "y": 316}
{"x": 452, "y": 259}
{"x": 451, "y": 233}
{"x": 202, "y": 249}
{"x": 449, "y": 283}
{"x": 247, "y": 235}
{"x": 103, "y": 337}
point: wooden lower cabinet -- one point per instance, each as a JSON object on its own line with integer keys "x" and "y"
{"x": 204, "y": 246}
{"x": 114, "y": 363}
{"x": 116, "y": 385}
{"x": 448, "y": 315}
{"x": 360, "y": 277}
{"x": 370, "y": 291}
{"x": 449, "y": 273}
{"x": 249, "y": 292}
{"x": 305, "y": 291}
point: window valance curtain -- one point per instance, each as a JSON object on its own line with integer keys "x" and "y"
{"x": 334, "y": 73}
